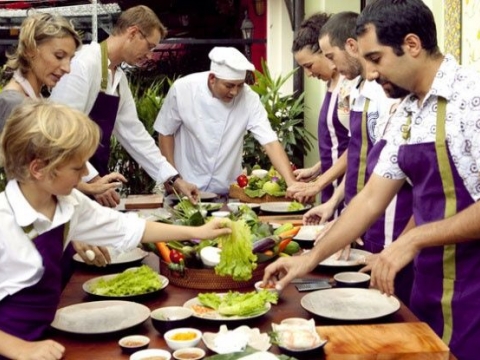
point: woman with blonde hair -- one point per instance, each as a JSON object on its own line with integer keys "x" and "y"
{"x": 46, "y": 46}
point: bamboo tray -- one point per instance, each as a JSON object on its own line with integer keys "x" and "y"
{"x": 206, "y": 279}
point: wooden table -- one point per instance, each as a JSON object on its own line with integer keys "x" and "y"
{"x": 105, "y": 346}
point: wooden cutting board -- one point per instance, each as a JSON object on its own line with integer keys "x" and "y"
{"x": 410, "y": 341}
{"x": 150, "y": 201}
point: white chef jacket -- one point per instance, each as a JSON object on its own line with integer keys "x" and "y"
{"x": 209, "y": 132}
{"x": 21, "y": 264}
{"x": 79, "y": 89}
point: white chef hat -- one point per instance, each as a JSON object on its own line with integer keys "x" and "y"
{"x": 229, "y": 64}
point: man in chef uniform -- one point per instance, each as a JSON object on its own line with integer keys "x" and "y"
{"x": 203, "y": 120}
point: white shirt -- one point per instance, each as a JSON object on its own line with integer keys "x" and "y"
{"x": 461, "y": 87}
{"x": 79, "y": 89}
{"x": 209, "y": 132}
{"x": 378, "y": 109}
{"x": 21, "y": 264}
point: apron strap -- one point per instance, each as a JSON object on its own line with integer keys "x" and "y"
{"x": 448, "y": 185}
{"x": 104, "y": 82}
{"x": 362, "y": 166}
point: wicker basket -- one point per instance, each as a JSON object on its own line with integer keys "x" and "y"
{"x": 206, "y": 279}
{"x": 236, "y": 192}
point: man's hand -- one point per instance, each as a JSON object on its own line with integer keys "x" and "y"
{"x": 306, "y": 174}
{"x": 99, "y": 185}
{"x": 390, "y": 261}
{"x": 302, "y": 192}
{"x": 45, "y": 350}
{"x": 284, "y": 270}
{"x": 187, "y": 189}
{"x": 92, "y": 255}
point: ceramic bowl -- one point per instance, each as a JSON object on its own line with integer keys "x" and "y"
{"x": 220, "y": 214}
{"x": 170, "y": 317}
{"x": 151, "y": 354}
{"x": 181, "y": 338}
{"x": 133, "y": 343}
{"x": 260, "y": 173}
{"x": 352, "y": 279}
{"x": 193, "y": 353}
{"x": 270, "y": 287}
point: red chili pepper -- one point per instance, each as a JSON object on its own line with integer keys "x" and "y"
{"x": 176, "y": 256}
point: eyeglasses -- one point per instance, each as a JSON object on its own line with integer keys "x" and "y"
{"x": 150, "y": 46}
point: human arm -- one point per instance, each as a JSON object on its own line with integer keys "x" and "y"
{"x": 13, "y": 347}
{"x": 307, "y": 174}
{"x": 461, "y": 227}
{"x": 321, "y": 213}
{"x": 279, "y": 159}
{"x": 362, "y": 211}
{"x": 302, "y": 190}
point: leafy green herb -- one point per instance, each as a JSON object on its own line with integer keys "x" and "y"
{"x": 142, "y": 280}
{"x": 294, "y": 206}
{"x": 237, "y": 259}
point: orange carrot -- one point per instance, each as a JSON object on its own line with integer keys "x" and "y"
{"x": 164, "y": 251}
{"x": 290, "y": 233}
{"x": 283, "y": 244}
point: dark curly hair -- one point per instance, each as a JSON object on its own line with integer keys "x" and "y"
{"x": 307, "y": 35}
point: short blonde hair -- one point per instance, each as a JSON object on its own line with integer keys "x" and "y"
{"x": 42, "y": 130}
{"x": 141, "y": 16}
{"x": 36, "y": 30}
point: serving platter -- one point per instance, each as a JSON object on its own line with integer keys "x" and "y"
{"x": 202, "y": 312}
{"x": 350, "y": 304}
{"x": 100, "y": 317}
{"x": 124, "y": 258}
{"x": 281, "y": 207}
{"x": 87, "y": 285}
{"x": 308, "y": 232}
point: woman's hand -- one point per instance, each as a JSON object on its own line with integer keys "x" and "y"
{"x": 92, "y": 255}
{"x": 45, "y": 350}
{"x": 214, "y": 228}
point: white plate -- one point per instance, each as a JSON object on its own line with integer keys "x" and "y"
{"x": 100, "y": 317}
{"x": 355, "y": 256}
{"x": 308, "y": 232}
{"x": 134, "y": 255}
{"x": 214, "y": 315}
{"x": 350, "y": 304}
{"x": 88, "y": 284}
{"x": 252, "y": 337}
{"x": 281, "y": 207}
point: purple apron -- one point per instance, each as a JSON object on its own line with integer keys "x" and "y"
{"x": 333, "y": 140}
{"x": 446, "y": 290}
{"x": 28, "y": 313}
{"x": 390, "y": 225}
{"x": 104, "y": 113}
{"x": 358, "y": 148}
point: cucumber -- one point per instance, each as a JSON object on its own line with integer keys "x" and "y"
{"x": 283, "y": 228}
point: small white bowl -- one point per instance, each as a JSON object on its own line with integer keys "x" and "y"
{"x": 170, "y": 317}
{"x": 151, "y": 353}
{"x": 352, "y": 279}
{"x": 133, "y": 343}
{"x": 210, "y": 256}
{"x": 193, "y": 353}
{"x": 220, "y": 214}
{"x": 259, "y": 287}
{"x": 260, "y": 173}
{"x": 181, "y": 344}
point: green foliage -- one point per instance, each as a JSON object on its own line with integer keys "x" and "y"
{"x": 285, "y": 113}
{"x": 148, "y": 101}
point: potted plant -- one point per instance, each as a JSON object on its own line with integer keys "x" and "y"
{"x": 285, "y": 113}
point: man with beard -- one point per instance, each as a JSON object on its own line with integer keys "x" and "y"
{"x": 98, "y": 86}
{"x": 369, "y": 115}
{"x": 434, "y": 142}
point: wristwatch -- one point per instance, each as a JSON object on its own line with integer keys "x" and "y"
{"x": 172, "y": 180}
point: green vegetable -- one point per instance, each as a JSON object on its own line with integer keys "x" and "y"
{"x": 292, "y": 248}
{"x": 237, "y": 259}
{"x": 283, "y": 228}
{"x": 139, "y": 281}
{"x": 238, "y": 304}
{"x": 188, "y": 214}
{"x": 294, "y": 206}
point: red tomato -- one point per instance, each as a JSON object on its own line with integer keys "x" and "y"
{"x": 242, "y": 180}
{"x": 176, "y": 256}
